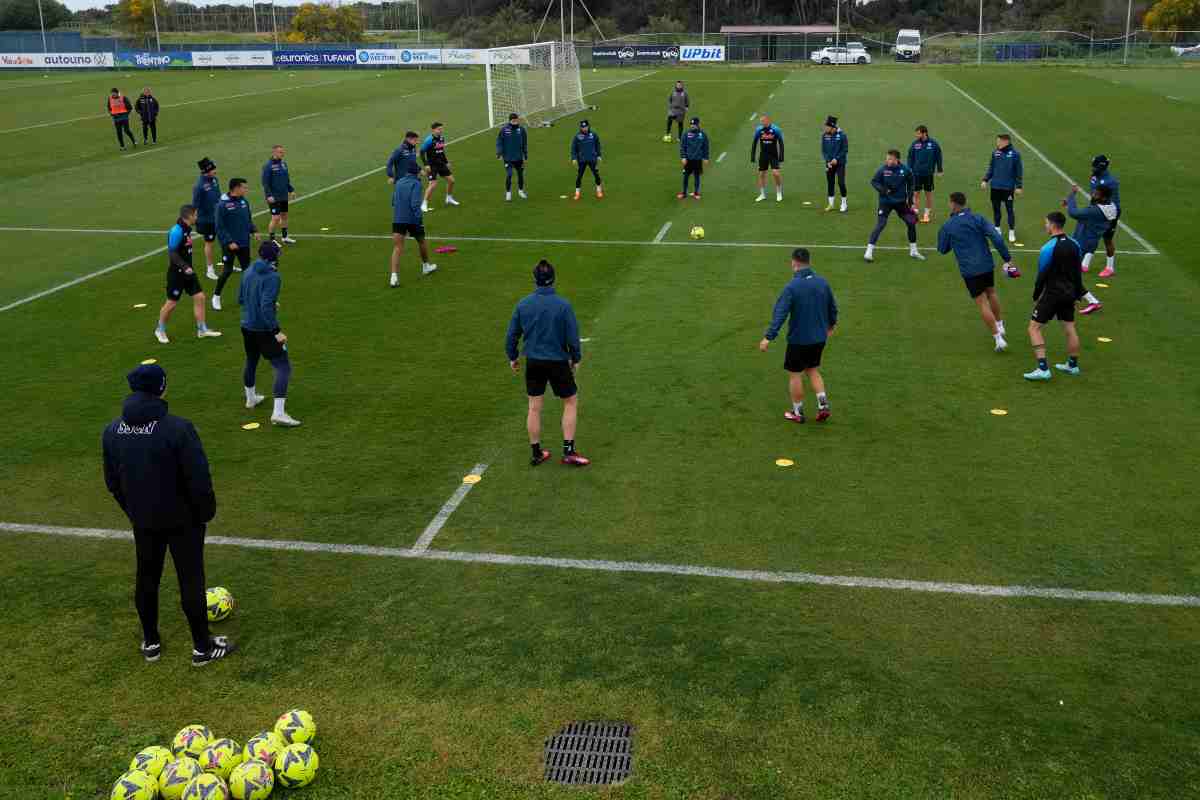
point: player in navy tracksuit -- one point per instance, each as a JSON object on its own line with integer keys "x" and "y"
{"x": 835, "y": 147}
{"x": 258, "y": 296}
{"x": 1102, "y": 177}
{"x": 585, "y": 154}
{"x": 277, "y": 187}
{"x": 437, "y": 164}
{"x": 205, "y": 195}
{"x": 968, "y": 234}
{"x": 1059, "y": 284}
{"x": 1092, "y": 222}
{"x": 181, "y": 278}
{"x": 894, "y": 182}
{"x": 401, "y": 157}
{"x": 925, "y": 160}
{"x": 693, "y": 155}
{"x": 1006, "y": 175}
{"x": 235, "y": 227}
{"x": 768, "y": 142}
{"x": 407, "y": 219}
{"x": 512, "y": 147}
{"x": 808, "y": 305}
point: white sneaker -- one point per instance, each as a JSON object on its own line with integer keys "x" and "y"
{"x": 450, "y": 201}
{"x": 207, "y": 333}
{"x": 428, "y": 269}
{"x": 216, "y": 302}
{"x": 844, "y": 207}
{"x": 830, "y": 207}
{"x": 237, "y": 269}
{"x": 1012, "y": 235}
{"x": 869, "y": 256}
{"x": 507, "y": 196}
{"x": 252, "y": 402}
{"x": 521, "y": 193}
{"x": 760, "y": 197}
{"x": 288, "y": 240}
{"x": 161, "y": 335}
{"x": 779, "y": 197}
{"x": 285, "y": 420}
{"x": 916, "y": 254}
{"x": 1001, "y": 345}
{"x": 212, "y": 273}
{"x": 395, "y": 280}
{"x": 424, "y": 208}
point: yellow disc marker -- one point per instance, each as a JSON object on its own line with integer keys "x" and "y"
{"x": 784, "y": 462}
{"x": 324, "y": 229}
{"x": 999, "y": 412}
{"x": 139, "y": 305}
{"x": 808, "y": 202}
{"x": 147, "y": 362}
{"x": 251, "y": 426}
{"x": 1102, "y": 285}
{"x": 1104, "y": 339}
{"x": 1019, "y": 244}
{"x": 472, "y": 478}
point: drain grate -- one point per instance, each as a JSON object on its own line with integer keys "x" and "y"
{"x": 590, "y": 754}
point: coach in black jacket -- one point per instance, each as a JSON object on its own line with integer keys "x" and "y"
{"x": 147, "y": 109}
{"x": 156, "y": 470}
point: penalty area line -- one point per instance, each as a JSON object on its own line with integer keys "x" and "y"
{"x": 650, "y": 567}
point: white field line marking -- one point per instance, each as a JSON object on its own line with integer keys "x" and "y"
{"x": 184, "y": 103}
{"x": 337, "y": 185}
{"x": 1151, "y": 249}
{"x": 1173, "y": 97}
{"x": 521, "y": 240}
{"x": 148, "y": 149}
{"x": 771, "y": 96}
{"x": 662, "y": 232}
{"x": 648, "y": 567}
{"x": 721, "y": 157}
{"x": 751, "y": 118}
{"x": 439, "y": 520}
{"x": 303, "y": 116}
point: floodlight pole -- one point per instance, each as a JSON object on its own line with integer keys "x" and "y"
{"x": 274, "y": 26}
{"x": 979, "y": 47}
{"x": 254, "y": 13}
{"x": 1128, "y": 22}
{"x": 42, "y": 24}
{"x": 837, "y": 25}
{"x": 154, "y": 10}
{"x": 703, "y": 19}
{"x": 418, "y": 21}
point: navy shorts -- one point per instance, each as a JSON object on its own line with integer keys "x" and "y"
{"x": 978, "y": 284}
{"x": 800, "y": 357}
{"x": 409, "y": 229}
{"x": 924, "y": 183}
{"x": 279, "y": 207}
{"x": 207, "y": 229}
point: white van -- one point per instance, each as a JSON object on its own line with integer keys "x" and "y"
{"x": 908, "y": 45}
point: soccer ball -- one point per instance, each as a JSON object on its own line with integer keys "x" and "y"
{"x": 296, "y": 765}
{"x": 191, "y": 740}
{"x": 206, "y": 787}
{"x": 696, "y": 232}
{"x": 264, "y": 747}
{"x": 151, "y": 760}
{"x": 295, "y": 726}
{"x": 220, "y": 603}
{"x": 666, "y": 137}
{"x": 221, "y": 757}
{"x": 251, "y": 780}
{"x": 134, "y": 785}
{"x": 176, "y": 776}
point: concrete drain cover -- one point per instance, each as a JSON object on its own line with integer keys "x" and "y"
{"x": 590, "y": 754}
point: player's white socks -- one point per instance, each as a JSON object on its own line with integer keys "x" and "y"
{"x": 508, "y": 196}
{"x": 912, "y": 249}
{"x": 279, "y": 403}
{"x": 870, "y": 254}
{"x": 1091, "y": 298}
{"x": 779, "y": 195}
{"x": 829, "y": 204}
{"x": 1087, "y": 261}
{"x": 1000, "y": 327}
{"x": 822, "y": 400}
{"x": 798, "y": 408}
{"x": 395, "y": 279}
{"x": 843, "y": 204}
{"x": 251, "y": 393}
{"x": 1111, "y": 263}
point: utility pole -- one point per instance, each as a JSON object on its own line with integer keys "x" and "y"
{"x": 1128, "y": 23}
{"x": 154, "y": 9}
{"x": 979, "y": 48}
{"x": 42, "y": 24}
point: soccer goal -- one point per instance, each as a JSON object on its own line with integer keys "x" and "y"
{"x": 538, "y": 81}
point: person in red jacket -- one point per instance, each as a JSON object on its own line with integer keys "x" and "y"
{"x": 119, "y": 108}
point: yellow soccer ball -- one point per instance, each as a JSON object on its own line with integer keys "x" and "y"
{"x": 296, "y": 726}
{"x": 220, "y": 603}
{"x": 264, "y": 747}
{"x": 296, "y": 765}
{"x": 696, "y": 232}
{"x": 251, "y": 780}
{"x": 220, "y": 757}
{"x": 134, "y": 785}
{"x": 191, "y": 740}
{"x": 152, "y": 760}
{"x": 206, "y": 787}
{"x": 176, "y": 776}
{"x": 666, "y": 137}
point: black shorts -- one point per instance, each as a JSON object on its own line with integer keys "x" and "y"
{"x": 768, "y": 161}
{"x": 438, "y": 169}
{"x": 1002, "y": 195}
{"x": 803, "y": 356}
{"x": 180, "y": 283}
{"x": 977, "y": 284}
{"x": 1054, "y": 306}
{"x": 558, "y": 374}
{"x": 409, "y": 229}
{"x": 924, "y": 183}
{"x": 1111, "y": 230}
{"x": 279, "y": 207}
{"x": 694, "y": 166}
{"x": 242, "y": 255}
{"x": 262, "y": 343}
{"x": 207, "y": 229}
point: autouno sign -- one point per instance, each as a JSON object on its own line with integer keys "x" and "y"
{"x": 692, "y": 52}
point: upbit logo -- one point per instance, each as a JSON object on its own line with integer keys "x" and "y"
{"x": 702, "y": 53}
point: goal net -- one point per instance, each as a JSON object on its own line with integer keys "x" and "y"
{"x": 538, "y": 81}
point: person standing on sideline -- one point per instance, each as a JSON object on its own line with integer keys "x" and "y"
{"x": 205, "y": 196}
{"x": 835, "y": 147}
{"x": 1059, "y": 284}
{"x": 119, "y": 108}
{"x": 967, "y": 234}
{"x": 261, "y": 336}
{"x": 552, "y": 353}
{"x": 437, "y": 164}
{"x": 512, "y": 147}
{"x": 925, "y": 159}
{"x": 894, "y": 182}
{"x": 808, "y": 305}
{"x": 1102, "y": 177}
{"x": 235, "y": 226}
{"x": 693, "y": 155}
{"x": 181, "y": 277}
{"x": 156, "y": 470}
{"x": 768, "y": 144}
{"x": 678, "y": 104}
{"x": 1006, "y": 175}
{"x": 147, "y": 110}
{"x": 397, "y": 163}
{"x": 407, "y": 220}
{"x": 277, "y": 185}
{"x": 585, "y": 154}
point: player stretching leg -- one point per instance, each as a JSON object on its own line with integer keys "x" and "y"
{"x": 1092, "y": 222}
{"x": 968, "y": 234}
{"x": 768, "y": 142}
{"x": 1102, "y": 177}
{"x": 834, "y": 149}
{"x": 894, "y": 182}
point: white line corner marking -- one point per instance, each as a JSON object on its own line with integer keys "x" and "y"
{"x": 439, "y": 520}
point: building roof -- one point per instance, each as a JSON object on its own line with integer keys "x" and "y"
{"x": 736, "y": 29}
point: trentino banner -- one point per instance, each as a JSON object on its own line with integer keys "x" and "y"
{"x": 145, "y": 59}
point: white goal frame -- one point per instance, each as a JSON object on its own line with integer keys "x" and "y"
{"x": 539, "y": 81}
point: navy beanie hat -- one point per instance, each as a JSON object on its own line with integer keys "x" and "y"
{"x": 149, "y": 378}
{"x": 269, "y": 251}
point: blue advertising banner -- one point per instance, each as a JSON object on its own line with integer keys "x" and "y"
{"x": 146, "y": 59}
{"x": 314, "y": 58}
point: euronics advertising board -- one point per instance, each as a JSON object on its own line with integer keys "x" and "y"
{"x": 56, "y": 60}
{"x": 231, "y": 58}
{"x": 145, "y": 59}
{"x": 314, "y": 58}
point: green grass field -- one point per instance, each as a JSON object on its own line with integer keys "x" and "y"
{"x": 440, "y": 676}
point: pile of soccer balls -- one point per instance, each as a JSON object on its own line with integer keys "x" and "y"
{"x": 200, "y": 766}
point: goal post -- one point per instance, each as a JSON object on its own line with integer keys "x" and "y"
{"x": 539, "y": 81}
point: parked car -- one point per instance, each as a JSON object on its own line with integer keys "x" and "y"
{"x": 840, "y": 55}
{"x": 856, "y": 46}
{"x": 908, "y": 45}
